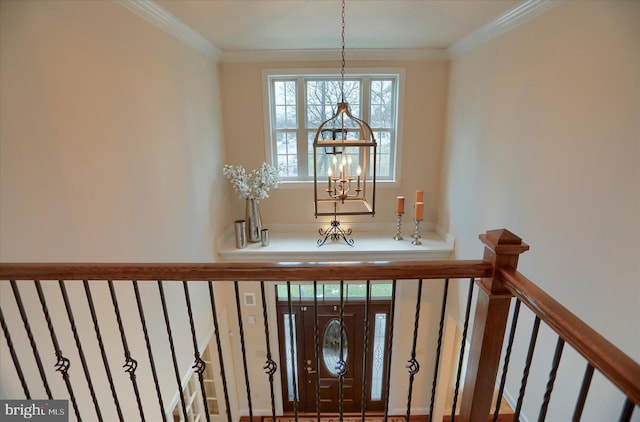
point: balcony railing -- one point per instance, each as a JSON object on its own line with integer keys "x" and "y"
{"x": 79, "y": 319}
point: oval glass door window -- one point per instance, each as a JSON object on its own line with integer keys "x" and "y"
{"x": 331, "y": 346}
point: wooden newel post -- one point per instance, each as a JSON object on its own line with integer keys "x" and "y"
{"x": 502, "y": 249}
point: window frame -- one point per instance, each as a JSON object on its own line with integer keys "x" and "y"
{"x": 303, "y": 74}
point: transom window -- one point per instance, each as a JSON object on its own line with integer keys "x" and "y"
{"x": 298, "y": 104}
{"x": 327, "y": 291}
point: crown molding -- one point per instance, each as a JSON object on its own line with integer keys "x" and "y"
{"x": 516, "y": 16}
{"x": 163, "y": 19}
{"x": 386, "y": 54}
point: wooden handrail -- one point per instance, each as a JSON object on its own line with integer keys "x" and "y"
{"x": 619, "y": 368}
{"x": 282, "y": 271}
{"x": 500, "y": 280}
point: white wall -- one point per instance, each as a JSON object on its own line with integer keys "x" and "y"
{"x": 110, "y": 150}
{"x": 111, "y": 138}
{"x": 543, "y": 139}
{"x": 422, "y": 125}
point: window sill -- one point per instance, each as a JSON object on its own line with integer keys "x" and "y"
{"x": 299, "y": 243}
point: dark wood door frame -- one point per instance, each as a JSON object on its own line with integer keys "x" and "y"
{"x": 353, "y": 320}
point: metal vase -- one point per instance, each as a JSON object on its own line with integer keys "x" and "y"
{"x": 254, "y": 222}
{"x": 241, "y": 234}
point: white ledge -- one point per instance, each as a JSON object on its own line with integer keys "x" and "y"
{"x": 300, "y": 243}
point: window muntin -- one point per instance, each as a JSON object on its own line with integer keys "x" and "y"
{"x": 298, "y": 104}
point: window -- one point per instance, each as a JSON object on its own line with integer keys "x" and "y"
{"x": 357, "y": 291}
{"x": 379, "y": 339}
{"x": 299, "y": 103}
{"x": 291, "y": 354}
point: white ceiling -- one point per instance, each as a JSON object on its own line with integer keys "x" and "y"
{"x": 247, "y": 25}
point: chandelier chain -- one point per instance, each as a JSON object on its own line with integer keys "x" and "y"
{"x": 343, "y": 60}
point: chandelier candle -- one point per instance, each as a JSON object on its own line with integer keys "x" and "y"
{"x": 419, "y": 196}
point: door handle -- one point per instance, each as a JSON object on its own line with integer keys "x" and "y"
{"x": 308, "y": 368}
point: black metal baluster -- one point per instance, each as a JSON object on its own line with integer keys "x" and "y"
{"x": 527, "y": 367}
{"x": 216, "y": 333}
{"x": 341, "y": 366}
{"x": 14, "y": 357}
{"x": 462, "y": 348}
{"x": 316, "y": 340}
{"x": 365, "y": 352}
{"x": 584, "y": 390}
{"x": 34, "y": 347}
{"x": 292, "y": 339}
{"x": 199, "y": 366}
{"x": 96, "y": 327}
{"x": 244, "y": 350}
{"x": 76, "y": 337}
{"x": 149, "y": 352}
{"x": 62, "y": 365}
{"x": 270, "y": 366}
{"x": 507, "y": 357}
{"x": 552, "y": 378}
{"x": 176, "y": 371}
{"x": 130, "y": 364}
{"x": 434, "y": 384}
{"x": 412, "y": 364}
{"x": 627, "y": 411}
{"x": 391, "y": 318}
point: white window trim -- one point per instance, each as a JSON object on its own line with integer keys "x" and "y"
{"x": 369, "y": 71}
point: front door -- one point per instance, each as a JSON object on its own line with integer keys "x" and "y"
{"x": 298, "y": 363}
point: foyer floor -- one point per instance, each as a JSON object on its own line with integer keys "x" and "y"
{"x": 505, "y": 417}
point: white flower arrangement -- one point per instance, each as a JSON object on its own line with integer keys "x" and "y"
{"x": 254, "y": 185}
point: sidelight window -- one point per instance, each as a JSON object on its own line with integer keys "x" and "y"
{"x": 291, "y": 354}
{"x": 378, "y": 356}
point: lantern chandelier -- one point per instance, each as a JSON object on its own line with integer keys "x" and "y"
{"x": 341, "y": 143}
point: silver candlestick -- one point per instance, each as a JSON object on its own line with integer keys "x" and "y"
{"x": 398, "y": 235}
{"x": 416, "y": 236}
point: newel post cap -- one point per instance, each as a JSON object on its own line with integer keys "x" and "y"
{"x": 504, "y": 242}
